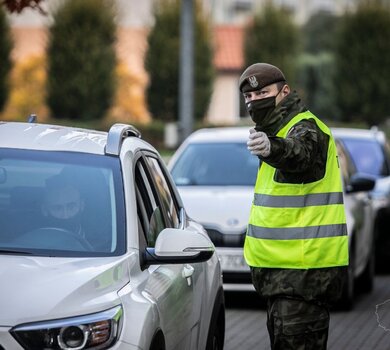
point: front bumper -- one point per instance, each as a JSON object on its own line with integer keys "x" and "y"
{"x": 235, "y": 271}
{"x": 8, "y": 342}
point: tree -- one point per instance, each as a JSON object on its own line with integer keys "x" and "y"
{"x": 316, "y": 64}
{"x": 162, "y": 61}
{"x": 19, "y": 5}
{"x": 319, "y": 32}
{"x": 81, "y": 60}
{"x": 363, "y": 64}
{"x": 5, "y": 58}
{"x": 272, "y": 37}
{"x": 316, "y": 79}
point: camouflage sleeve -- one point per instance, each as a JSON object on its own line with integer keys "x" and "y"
{"x": 298, "y": 151}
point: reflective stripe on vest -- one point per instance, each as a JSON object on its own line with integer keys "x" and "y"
{"x": 298, "y": 225}
{"x": 298, "y": 201}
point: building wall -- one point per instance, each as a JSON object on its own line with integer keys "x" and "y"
{"x": 224, "y": 105}
{"x": 28, "y": 42}
{"x": 238, "y": 11}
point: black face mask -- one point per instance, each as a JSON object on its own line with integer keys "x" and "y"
{"x": 260, "y": 109}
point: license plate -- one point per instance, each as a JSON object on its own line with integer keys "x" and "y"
{"x": 233, "y": 262}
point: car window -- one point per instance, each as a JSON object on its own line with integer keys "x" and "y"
{"x": 216, "y": 164}
{"x": 368, "y": 156}
{"x": 347, "y": 167}
{"x": 61, "y": 203}
{"x": 148, "y": 207}
{"x": 156, "y": 204}
{"x": 386, "y": 149}
{"x": 167, "y": 197}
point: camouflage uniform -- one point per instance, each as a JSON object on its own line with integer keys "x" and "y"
{"x": 297, "y": 300}
{"x": 297, "y": 325}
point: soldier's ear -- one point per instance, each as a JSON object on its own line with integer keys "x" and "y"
{"x": 285, "y": 90}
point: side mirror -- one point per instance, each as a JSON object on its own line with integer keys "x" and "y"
{"x": 177, "y": 246}
{"x": 360, "y": 182}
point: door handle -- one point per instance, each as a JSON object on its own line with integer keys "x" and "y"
{"x": 187, "y": 273}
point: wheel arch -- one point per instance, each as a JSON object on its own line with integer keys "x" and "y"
{"x": 217, "y": 318}
{"x": 158, "y": 340}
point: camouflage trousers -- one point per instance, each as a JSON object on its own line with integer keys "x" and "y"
{"x": 296, "y": 324}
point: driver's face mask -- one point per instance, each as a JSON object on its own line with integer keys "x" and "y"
{"x": 63, "y": 207}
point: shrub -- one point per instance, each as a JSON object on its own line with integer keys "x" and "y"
{"x": 5, "y": 58}
{"x": 272, "y": 37}
{"x": 162, "y": 61}
{"x": 363, "y": 64}
{"x": 81, "y": 60}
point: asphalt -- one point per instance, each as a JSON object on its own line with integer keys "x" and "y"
{"x": 366, "y": 327}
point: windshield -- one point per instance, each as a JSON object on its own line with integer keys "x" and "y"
{"x": 367, "y": 156}
{"x": 216, "y": 164}
{"x": 60, "y": 204}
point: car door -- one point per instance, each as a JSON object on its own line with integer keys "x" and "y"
{"x": 171, "y": 287}
{"x": 359, "y": 207}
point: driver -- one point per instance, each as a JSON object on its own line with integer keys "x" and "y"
{"x": 63, "y": 205}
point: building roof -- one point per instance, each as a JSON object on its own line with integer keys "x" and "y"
{"x": 228, "y": 47}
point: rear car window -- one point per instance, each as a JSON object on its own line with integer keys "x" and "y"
{"x": 368, "y": 156}
{"x": 216, "y": 164}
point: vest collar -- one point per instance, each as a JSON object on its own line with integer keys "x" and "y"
{"x": 288, "y": 108}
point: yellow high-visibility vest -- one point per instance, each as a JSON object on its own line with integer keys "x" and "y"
{"x": 298, "y": 226}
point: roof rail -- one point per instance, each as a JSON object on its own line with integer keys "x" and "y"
{"x": 117, "y": 133}
{"x": 32, "y": 118}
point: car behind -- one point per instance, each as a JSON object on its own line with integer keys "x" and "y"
{"x": 369, "y": 150}
{"x": 215, "y": 175}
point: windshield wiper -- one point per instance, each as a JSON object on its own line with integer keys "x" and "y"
{"x": 14, "y": 251}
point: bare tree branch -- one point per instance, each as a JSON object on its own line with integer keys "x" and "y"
{"x": 17, "y": 6}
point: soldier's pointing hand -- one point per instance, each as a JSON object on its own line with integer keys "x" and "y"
{"x": 258, "y": 143}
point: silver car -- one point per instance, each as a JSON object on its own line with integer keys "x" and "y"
{"x": 369, "y": 150}
{"x": 96, "y": 249}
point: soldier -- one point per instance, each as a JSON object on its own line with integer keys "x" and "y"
{"x": 296, "y": 243}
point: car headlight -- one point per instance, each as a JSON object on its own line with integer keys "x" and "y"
{"x": 94, "y": 331}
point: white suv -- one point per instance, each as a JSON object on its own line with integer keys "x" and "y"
{"x": 215, "y": 174}
{"x": 110, "y": 260}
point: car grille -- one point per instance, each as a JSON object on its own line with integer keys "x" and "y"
{"x": 226, "y": 240}
{"x": 237, "y": 277}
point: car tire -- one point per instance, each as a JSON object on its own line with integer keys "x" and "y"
{"x": 366, "y": 280}
{"x": 158, "y": 342}
{"x": 216, "y": 334}
{"x": 348, "y": 295}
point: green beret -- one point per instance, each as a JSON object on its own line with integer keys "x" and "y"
{"x": 259, "y": 75}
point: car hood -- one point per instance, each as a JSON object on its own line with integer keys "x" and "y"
{"x": 224, "y": 208}
{"x": 43, "y": 288}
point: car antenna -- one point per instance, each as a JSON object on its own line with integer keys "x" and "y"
{"x": 32, "y": 118}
